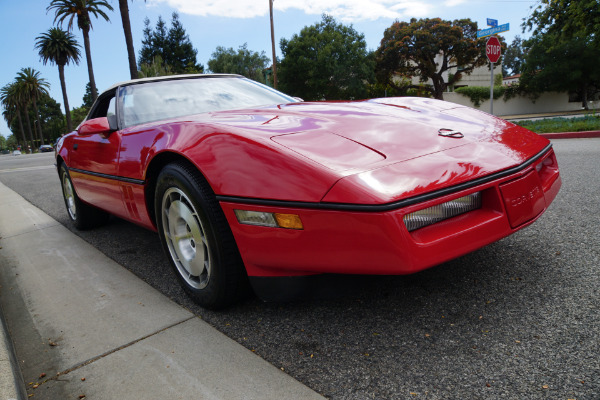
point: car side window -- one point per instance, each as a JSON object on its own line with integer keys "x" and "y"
{"x": 112, "y": 107}
{"x": 105, "y": 107}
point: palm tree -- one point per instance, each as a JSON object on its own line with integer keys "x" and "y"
{"x": 124, "y": 8}
{"x": 22, "y": 101}
{"x": 32, "y": 86}
{"x": 60, "y": 48}
{"x": 82, "y": 9}
{"x": 10, "y": 101}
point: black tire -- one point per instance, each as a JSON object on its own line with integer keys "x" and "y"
{"x": 197, "y": 239}
{"x": 83, "y": 216}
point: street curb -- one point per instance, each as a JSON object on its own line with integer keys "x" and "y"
{"x": 110, "y": 325}
{"x": 571, "y": 135}
{"x": 17, "y": 391}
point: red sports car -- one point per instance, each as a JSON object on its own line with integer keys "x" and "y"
{"x": 246, "y": 184}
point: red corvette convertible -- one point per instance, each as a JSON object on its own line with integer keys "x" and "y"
{"x": 246, "y": 184}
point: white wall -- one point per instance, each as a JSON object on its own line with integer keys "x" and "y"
{"x": 479, "y": 77}
{"x": 546, "y": 103}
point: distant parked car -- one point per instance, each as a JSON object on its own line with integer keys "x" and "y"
{"x": 46, "y": 148}
{"x": 16, "y": 153}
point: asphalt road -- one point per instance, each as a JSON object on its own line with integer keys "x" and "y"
{"x": 518, "y": 319}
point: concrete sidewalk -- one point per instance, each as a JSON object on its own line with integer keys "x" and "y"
{"x": 82, "y": 325}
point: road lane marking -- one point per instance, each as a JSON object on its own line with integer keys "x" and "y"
{"x": 2, "y": 171}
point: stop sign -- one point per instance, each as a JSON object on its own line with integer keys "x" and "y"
{"x": 493, "y": 49}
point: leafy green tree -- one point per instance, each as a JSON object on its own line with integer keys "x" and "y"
{"x": 182, "y": 55}
{"x": 173, "y": 45}
{"x": 78, "y": 114}
{"x": 514, "y": 57}
{"x": 156, "y": 68}
{"x": 153, "y": 42}
{"x": 88, "y": 100}
{"x": 565, "y": 19}
{"x": 555, "y": 64}
{"x": 565, "y": 48}
{"x": 325, "y": 61}
{"x": 82, "y": 10}
{"x": 2, "y": 142}
{"x": 60, "y": 48}
{"x": 426, "y": 49}
{"x": 243, "y": 62}
{"x": 32, "y": 85}
{"x": 51, "y": 117}
{"x": 11, "y": 142}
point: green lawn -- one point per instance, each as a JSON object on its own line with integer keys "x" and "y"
{"x": 555, "y": 125}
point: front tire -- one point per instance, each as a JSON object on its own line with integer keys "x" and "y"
{"x": 81, "y": 214}
{"x": 197, "y": 239}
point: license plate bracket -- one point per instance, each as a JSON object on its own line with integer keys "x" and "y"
{"x": 523, "y": 199}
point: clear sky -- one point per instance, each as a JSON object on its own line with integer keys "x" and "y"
{"x": 212, "y": 23}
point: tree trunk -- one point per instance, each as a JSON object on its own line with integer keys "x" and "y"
{"x": 438, "y": 87}
{"x": 88, "y": 57}
{"x": 584, "y": 97}
{"x": 273, "y": 46}
{"x": 29, "y": 128}
{"x": 21, "y": 126}
{"x": 37, "y": 116}
{"x": 63, "y": 86}
{"x": 124, "y": 8}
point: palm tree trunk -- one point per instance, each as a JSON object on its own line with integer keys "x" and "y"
{"x": 29, "y": 128}
{"x": 88, "y": 57}
{"x": 63, "y": 86}
{"x": 124, "y": 8}
{"x": 37, "y": 116}
{"x": 21, "y": 127}
{"x": 273, "y": 46}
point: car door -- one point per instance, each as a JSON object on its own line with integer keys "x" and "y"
{"x": 93, "y": 161}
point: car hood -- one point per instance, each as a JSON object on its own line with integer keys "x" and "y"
{"x": 351, "y": 136}
{"x": 382, "y": 145}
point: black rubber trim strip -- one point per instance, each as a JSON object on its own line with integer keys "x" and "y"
{"x": 106, "y": 176}
{"x": 389, "y": 206}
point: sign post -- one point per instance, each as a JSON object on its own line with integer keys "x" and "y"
{"x": 492, "y": 51}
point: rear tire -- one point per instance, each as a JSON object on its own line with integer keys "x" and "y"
{"x": 197, "y": 239}
{"x": 81, "y": 214}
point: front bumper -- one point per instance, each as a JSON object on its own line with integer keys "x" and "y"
{"x": 363, "y": 241}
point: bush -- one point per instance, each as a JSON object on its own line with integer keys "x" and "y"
{"x": 555, "y": 125}
{"x": 479, "y": 94}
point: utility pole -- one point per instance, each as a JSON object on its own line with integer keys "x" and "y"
{"x": 273, "y": 46}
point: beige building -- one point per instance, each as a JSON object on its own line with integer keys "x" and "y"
{"x": 479, "y": 77}
{"x": 546, "y": 103}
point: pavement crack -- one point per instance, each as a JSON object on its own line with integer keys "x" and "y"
{"x": 94, "y": 359}
{"x": 38, "y": 228}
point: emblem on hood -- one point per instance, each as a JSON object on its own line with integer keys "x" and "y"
{"x": 450, "y": 133}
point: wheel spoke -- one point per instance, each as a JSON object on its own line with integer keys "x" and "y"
{"x": 185, "y": 237}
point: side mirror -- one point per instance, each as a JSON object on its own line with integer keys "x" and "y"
{"x": 99, "y": 126}
{"x": 112, "y": 122}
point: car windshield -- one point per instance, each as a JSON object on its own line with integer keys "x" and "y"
{"x": 153, "y": 101}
